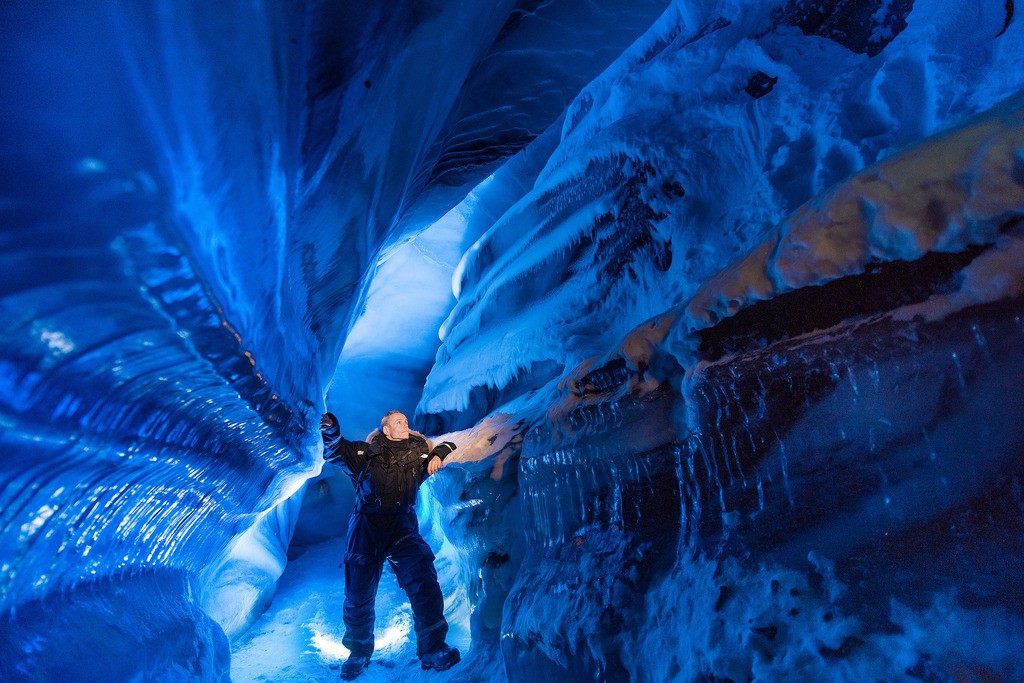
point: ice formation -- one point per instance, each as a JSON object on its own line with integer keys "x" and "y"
{"x": 720, "y": 300}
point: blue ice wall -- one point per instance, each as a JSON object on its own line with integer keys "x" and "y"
{"x": 759, "y": 318}
{"x": 146, "y": 422}
{"x": 191, "y": 196}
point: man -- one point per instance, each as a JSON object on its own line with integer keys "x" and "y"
{"x": 387, "y": 472}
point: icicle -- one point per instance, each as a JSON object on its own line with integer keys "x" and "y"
{"x": 959, "y": 372}
{"x": 783, "y": 460}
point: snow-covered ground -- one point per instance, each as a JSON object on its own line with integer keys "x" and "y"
{"x": 299, "y": 637}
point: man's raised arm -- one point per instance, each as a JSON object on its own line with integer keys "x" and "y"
{"x": 351, "y": 455}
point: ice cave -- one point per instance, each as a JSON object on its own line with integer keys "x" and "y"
{"x": 720, "y": 300}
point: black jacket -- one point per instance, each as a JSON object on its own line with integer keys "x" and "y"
{"x": 387, "y": 474}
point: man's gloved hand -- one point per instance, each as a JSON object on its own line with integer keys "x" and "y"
{"x": 329, "y": 428}
{"x": 440, "y": 452}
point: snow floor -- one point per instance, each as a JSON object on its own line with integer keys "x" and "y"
{"x": 299, "y": 637}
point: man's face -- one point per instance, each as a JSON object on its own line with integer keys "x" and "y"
{"x": 396, "y": 427}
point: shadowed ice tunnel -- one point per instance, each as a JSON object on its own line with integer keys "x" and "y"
{"x": 720, "y": 300}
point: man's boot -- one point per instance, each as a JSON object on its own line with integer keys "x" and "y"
{"x": 441, "y": 659}
{"x": 353, "y": 666}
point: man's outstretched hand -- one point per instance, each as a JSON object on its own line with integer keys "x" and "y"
{"x": 330, "y": 432}
{"x": 437, "y": 456}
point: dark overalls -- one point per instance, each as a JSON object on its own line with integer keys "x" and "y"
{"x": 387, "y": 475}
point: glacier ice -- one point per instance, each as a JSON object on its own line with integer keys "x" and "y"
{"x": 721, "y": 301}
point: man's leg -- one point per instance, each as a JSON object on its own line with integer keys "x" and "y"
{"x": 413, "y": 562}
{"x": 363, "y": 565}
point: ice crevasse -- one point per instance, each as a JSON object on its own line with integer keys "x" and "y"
{"x": 721, "y": 301}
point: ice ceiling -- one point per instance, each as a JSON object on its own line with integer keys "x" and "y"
{"x": 721, "y": 301}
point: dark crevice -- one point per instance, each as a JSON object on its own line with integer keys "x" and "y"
{"x": 760, "y": 84}
{"x": 609, "y": 376}
{"x": 1009, "y": 17}
{"x": 882, "y": 287}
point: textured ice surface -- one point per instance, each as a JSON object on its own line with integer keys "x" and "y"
{"x": 675, "y": 161}
{"x": 807, "y": 510}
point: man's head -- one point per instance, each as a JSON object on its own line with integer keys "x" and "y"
{"x": 395, "y": 425}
